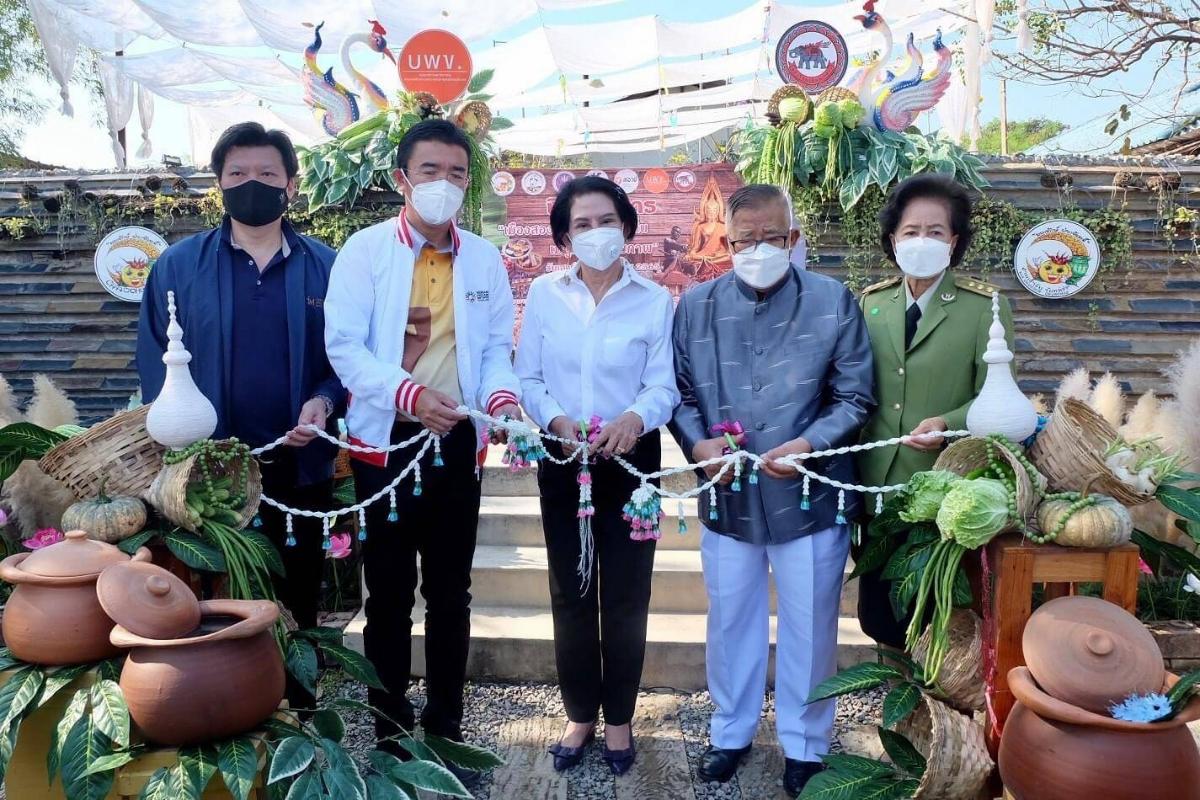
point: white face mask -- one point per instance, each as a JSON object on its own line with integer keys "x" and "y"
{"x": 436, "y": 202}
{"x": 599, "y": 248}
{"x": 762, "y": 267}
{"x": 921, "y": 257}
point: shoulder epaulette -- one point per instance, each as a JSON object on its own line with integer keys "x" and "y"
{"x": 883, "y": 284}
{"x": 970, "y": 284}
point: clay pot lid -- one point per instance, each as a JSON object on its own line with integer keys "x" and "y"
{"x": 148, "y": 601}
{"x": 1091, "y": 653}
{"x": 76, "y": 556}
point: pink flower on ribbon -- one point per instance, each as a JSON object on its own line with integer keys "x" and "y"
{"x": 1144, "y": 568}
{"x": 732, "y": 431}
{"x": 339, "y": 546}
{"x": 3, "y": 517}
{"x": 593, "y": 430}
{"x": 44, "y": 538}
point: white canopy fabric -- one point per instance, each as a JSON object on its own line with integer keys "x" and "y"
{"x": 228, "y": 57}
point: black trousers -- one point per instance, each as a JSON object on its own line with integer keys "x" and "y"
{"x": 599, "y": 635}
{"x": 440, "y": 526}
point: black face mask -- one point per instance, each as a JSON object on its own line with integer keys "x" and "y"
{"x": 254, "y": 203}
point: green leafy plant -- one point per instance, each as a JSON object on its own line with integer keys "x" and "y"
{"x": 24, "y": 440}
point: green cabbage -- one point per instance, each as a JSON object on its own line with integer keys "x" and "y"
{"x": 973, "y": 511}
{"x": 925, "y": 491}
{"x": 851, "y": 112}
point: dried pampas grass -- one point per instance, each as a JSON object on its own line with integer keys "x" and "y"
{"x": 1184, "y": 378}
{"x": 1140, "y": 422}
{"x": 9, "y": 413}
{"x": 50, "y": 407}
{"x": 1076, "y": 385}
{"x": 1107, "y": 400}
{"x": 1039, "y": 404}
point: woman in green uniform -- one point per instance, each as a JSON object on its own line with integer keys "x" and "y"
{"x": 928, "y": 329}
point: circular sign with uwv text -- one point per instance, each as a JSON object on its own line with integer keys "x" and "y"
{"x": 124, "y": 259}
{"x": 1057, "y": 259}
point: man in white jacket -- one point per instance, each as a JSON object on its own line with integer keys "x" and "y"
{"x": 418, "y": 322}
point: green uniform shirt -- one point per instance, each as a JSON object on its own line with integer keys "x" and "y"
{"x": 938, "y": 376}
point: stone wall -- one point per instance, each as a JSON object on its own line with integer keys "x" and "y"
{"x": 55, "y": 318}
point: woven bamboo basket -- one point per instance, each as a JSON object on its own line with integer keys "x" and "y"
{"x": 118, "y": 453}
{"x": 168, "y": 492}
{"x": 960, "y": 682}
{"x": 968, "y": 455}
{"x": 957, "y": 763}
{"x": 1070, "y": 453}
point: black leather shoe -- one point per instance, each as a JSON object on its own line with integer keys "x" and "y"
{"x": 469, "y": 778}
{"x": 620, "y": 761}
{"x": 567, "y": 757}
{"x": 797, "y": 774}
{"x": 718, "y": 766}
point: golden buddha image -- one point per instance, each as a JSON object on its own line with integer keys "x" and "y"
{"x": 707, "y": 251}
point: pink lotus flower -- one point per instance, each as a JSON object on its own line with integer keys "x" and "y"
{"x": 44, "y": 538}
{"x": 3, "y": 518}
{"x": 1144, "y": 568}
{"x": 339, "y": 546}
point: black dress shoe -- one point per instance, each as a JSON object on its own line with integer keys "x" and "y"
{"x": 567, "y": 757}
{"x": 797, "y": 774}
{"x": 469, "y": 778}
{"x": 718, "y": 766}
{"x": 620, "y": 761}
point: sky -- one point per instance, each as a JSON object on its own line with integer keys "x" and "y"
{"x": 80, "y": 142}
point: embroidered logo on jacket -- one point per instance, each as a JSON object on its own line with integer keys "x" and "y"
{"x": 479, "y": 296}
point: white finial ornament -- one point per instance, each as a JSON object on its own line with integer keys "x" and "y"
{"x": 1001, "y": 407}
{"x": 181, "y": 414}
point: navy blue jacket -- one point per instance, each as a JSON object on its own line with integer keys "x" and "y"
{"x": 193, "y": 269}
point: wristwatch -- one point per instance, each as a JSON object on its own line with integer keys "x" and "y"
{"x": 328, "y": 404}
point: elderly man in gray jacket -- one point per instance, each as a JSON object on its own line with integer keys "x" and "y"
{"x": 785, "y": 352}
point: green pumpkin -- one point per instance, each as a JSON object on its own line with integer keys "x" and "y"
{"x": 108, "y": 519}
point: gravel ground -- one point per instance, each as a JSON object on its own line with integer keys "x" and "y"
{"x": 490, "y": 705}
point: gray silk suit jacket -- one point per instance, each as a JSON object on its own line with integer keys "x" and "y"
{"x": 794, "y": 363}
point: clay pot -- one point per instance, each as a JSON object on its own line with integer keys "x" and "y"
{"x": 222, "y": 677}
{"x": 1051, "y": 750}
{"x": 53, "y": 617}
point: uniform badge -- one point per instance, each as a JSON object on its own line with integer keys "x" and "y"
{"x": 947, "y": 297}
{"x": 874, "y": 311}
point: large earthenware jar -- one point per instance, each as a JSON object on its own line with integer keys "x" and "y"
{"x": 53, "y": 617}
{"x": 1062, "y": 743}
{"x": 196, "y": 671}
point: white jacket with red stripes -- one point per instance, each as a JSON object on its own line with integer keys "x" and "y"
{"x": 366, "y": 312}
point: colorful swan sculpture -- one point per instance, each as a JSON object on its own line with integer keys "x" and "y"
{"x": 896, "y": 102}
{"x": 334, "y": 104}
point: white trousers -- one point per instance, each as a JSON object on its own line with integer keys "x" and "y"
{"x": 808, "y": 581}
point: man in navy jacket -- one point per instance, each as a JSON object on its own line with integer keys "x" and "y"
{"x": 250, "y": 296}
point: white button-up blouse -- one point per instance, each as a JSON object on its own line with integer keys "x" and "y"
{"x": 578, "y": 358}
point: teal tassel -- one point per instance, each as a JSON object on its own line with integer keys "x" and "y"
{"x": 291, "y": 540}
{"x": 737, "y": 484}
{"x": 257, "y": 521}
{"x": 393, "y": 516}
{"x": 362, "y": 534}
{"x": 804, "y": 504}
{"x": 712, "y": 512}
{"x": 840, "y": 519}
{"x": 417, "y": 489}
{"x": 437, "y": 459}
{"x": 754, "y": 475}
{"x": 682, "y": 522}
{"x": 325, "y": 543}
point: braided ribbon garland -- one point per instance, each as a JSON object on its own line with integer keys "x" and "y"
{"x": 645, "y": 507}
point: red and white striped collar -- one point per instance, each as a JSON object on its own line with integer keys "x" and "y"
{"x": 405, "y": 234}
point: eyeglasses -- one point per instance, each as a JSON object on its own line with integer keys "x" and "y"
{"x": 746, "y": 245}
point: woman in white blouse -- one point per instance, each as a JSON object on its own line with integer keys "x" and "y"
{"x": 596, "y": 341}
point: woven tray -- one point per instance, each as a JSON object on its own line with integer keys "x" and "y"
{"x": 1070, "y": 453}
{"x": 956, "y": 755}
{"x": 118, "y": 453}
{"x": 969, "y": 455}
{"x": 960, "y": 681}
{"x": 168, "y": 492}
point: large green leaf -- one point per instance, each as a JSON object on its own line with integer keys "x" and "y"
{"x": 899, "y": 703}
{"x": 867, "y": 675}
{"x": 34, "y": 440}
{"x": 238, "y": 764}
{"x": 1181, "y": 501}
{"x": 110, "y": 762}
{"x": 131, "y": 545}
{"x": 306, "y": 787}
{"x": 110, "y": 669}
{"x": 10, "y": 459}
{"x": 858, "y": 765}
{"x": 852, "y": 189}
{"x": 341, "y": 776}
{"x": 163, "y": 785}
{"x": 910, "y": 558}
{"x": 380, "y": 788}
{"x": 270, "y": 556}
{"x": 460, "y": 754}
{"x": 902, "y": 752}
{"x": 282, "y": 730}
{"x": 901, "y": 595}
{"x": 329, "y": 724}
{"x": 109, "y": 712}
{"x": 197, "y": 765}
{"x": 896, "y": 790}
{"x": 963, "y": 596}
{"x": 301, "y": 660}
{"x": 84, "y": 744}
{"x": 418, "y": 749}
{"x": 1183, "y": 689}
{"x": 833, "y": 785}
{"x": 355, "y": 664}
{"x": 293, "y": 755}
{"x": 480, "y": 80}
{"x": 194, "y": 551}
{"x": 76, "y": 709}
{"x": 18, "y": 694}
{"x": 6, "y": 659}
{"x": 876, "y": 554}
{"x": 430, "y": 777}
{"x": 1174, "y": 554}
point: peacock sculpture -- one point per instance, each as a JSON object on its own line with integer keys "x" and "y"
{"x": 334, "y": 104}
{"x": 868, "y": 76}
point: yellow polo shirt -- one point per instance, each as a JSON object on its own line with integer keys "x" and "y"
{"x": 430, "y": 351}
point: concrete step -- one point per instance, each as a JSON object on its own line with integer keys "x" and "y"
{"x": 517, "y": 644}
{"x": 508, "y": 576}
{"x": 517, "y": 521}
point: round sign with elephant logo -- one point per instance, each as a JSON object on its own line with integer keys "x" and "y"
{"x": 812, "y": 55}
{"x": 1056, "y": 259}
{"x": 124, "y": 259}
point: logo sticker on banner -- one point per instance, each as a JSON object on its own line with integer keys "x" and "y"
{"x": 627, "y": 179}
{"x": 533, "y": 182}
{"x": 437, "y": 62}
{"x": 656, "y": 181}
{"x": 685, "y": 180}
{"x": 503, "y": 183}
{"x": 812, "y": 55}
{"x": 561, "y": 179}
{"x": 597, "y": 173}
{"x": 1057, "y": 259}
{"x": 124, "y": 259}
